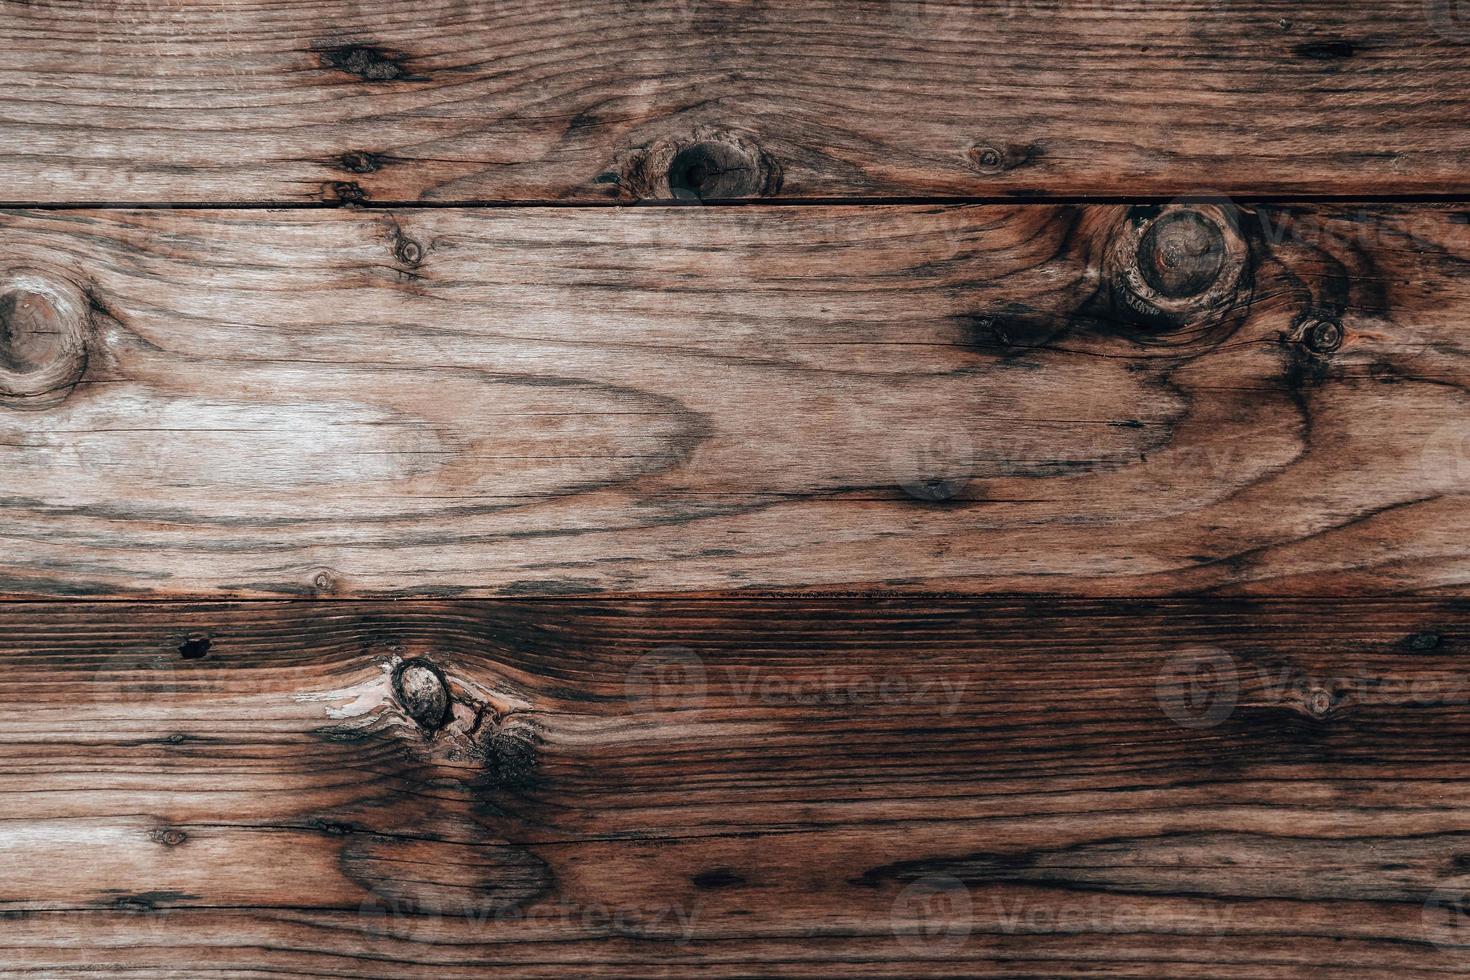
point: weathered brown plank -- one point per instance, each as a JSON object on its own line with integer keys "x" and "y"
{"x": 599, "y": 100}
{"x": 1241, "y": 788}
{"x": 679, "y": 400}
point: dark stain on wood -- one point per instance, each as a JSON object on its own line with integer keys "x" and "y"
{"x": 345, "y": 192}
{"x": 367, "y": 62}
{"x": 717, "y": 878}
{"x": 194, "y": 647}
{"x": 1326, "y": 50}
{"x": 360, "y": 162}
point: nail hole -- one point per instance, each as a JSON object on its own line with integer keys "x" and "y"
{"x": 194, "y": 648}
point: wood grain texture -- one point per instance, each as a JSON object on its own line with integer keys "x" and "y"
{"x": 1235, "y": 788}
{"x": 606, "y": 100}
{"x": 547, "y": 401}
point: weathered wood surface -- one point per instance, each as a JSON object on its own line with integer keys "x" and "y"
{"x": 604, "y": 100}
{"x": 547, "y": 401}
{"x": 1243, "y": 788}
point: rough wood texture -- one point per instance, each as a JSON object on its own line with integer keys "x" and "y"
{"x": 1089, "y": 400}
{"x": 617, "y": 100}
{"x": 1242, "y": 788}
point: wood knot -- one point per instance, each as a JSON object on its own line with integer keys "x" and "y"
{"x": 423, "y": 692}
{"x": 708, "y": 165}
{"x": 169, "y": 836}
{"x": 1319, "y": 703}
{"x": 991, "y": 158}
{"x": 1320, "y": 333}
{"x": 45, "y": 323}
{"x": 1180, "y": 265}
{"x": 344, "y": 192}
{"x": 408, "y": 251}
{"x": 360, "y": 162}
{"x": 325, "y": 581}
{"x": 367, "y": 62}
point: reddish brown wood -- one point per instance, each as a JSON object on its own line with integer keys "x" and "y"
{"x": 1231, "y": 788}
{"x": 546, "y": 402}
{"x": 613, "y": 101}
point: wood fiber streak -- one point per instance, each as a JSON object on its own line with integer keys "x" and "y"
{"x": 134, "y": 101}
{"x": 1244, "y": 788}
{"x": 556, "y": 402}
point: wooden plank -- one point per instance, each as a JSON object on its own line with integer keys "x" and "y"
{"x": 604, "y": 100}
{"x": 521, "y": 402}
{"x": 1243, "y": 788}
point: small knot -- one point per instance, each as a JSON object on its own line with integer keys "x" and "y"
{"x": 1319, "y": 702}
{"x": 409, "y": 252}
{"x": 169, "y": 836}
{"x": 423, "y": 692}
{"x": 989, "y": 158}
{"x": 1321, "y": 333}
{"x": 45, "y": 323}
{"x": 324, "y": 580}
{"x": 194, "y": 647}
